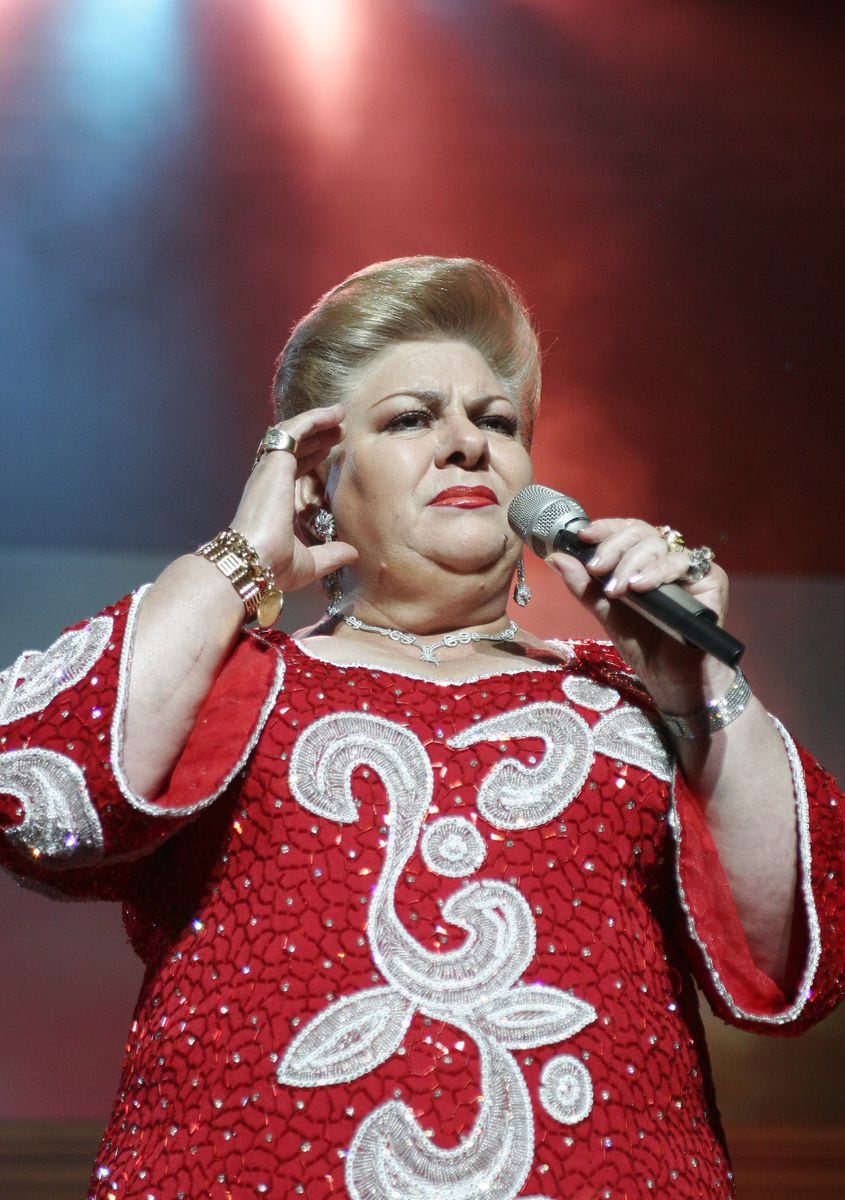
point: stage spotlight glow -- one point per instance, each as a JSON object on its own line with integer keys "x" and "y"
{"x": 123, "y": 61}
{"x": 322, "y": 30}
{"x": 319, "y": 45}
{"x": 14, "y": 17}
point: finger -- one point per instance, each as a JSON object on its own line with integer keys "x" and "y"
{"x": 711, "y": 589}
{"x": 580, "y": 583}
{"x": 649, "y": 560}
{"x": 604, "y": 527}
{"x": 331, "y": 556}
{"x": 315, "y": 449}
{"x": 305, "y": 423}
{"x": 668, "y": 568}
{"x": 310, "y": 443}
{"x": 617, "y": 538}
{"x": 315, "y": 434}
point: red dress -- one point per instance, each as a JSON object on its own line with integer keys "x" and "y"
{"x": 405, "y": 940}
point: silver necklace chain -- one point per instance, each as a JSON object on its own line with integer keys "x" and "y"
{"x": 428, "y": 654}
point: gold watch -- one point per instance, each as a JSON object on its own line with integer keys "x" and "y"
{"x": 233, "y": 555}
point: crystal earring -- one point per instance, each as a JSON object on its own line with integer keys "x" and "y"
{"x": 522, "y": 592}
{"x": 324, "y": 527}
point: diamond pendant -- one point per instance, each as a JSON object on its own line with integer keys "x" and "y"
{"x": 427, "y": 654}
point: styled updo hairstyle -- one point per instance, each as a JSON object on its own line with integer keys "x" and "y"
{"x": 409, "y": 299}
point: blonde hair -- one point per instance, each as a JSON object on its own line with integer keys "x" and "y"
{"x": 422, "y": 298}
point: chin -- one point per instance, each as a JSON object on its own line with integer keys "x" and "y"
{"x": 471, "y": 542}
{"x": 469, "y": 556}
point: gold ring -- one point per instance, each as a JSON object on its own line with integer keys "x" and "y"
{"x": 275, "y": 439}
{"x": 673, "y": 538}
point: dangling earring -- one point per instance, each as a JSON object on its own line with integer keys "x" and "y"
{"x": 324, "y": 527}
{"x": 522, "y": 592}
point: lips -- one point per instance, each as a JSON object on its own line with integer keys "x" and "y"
{"x": 464, "y": 497}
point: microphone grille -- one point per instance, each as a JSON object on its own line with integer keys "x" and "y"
{"x": 537, "y": 510}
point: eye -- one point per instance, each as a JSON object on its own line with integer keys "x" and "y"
{"x": 412, "y": 418}
{"x": 499, "y": 423}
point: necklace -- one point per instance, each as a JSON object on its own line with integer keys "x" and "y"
{"x": 427, "y": 651}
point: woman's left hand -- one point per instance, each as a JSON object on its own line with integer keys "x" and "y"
{"x": 634, "y": 556}
{"x": 740, "y": 776}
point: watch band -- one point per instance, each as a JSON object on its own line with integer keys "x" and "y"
{"x": 715, "y": 716}
{"x": 238, "y": 560}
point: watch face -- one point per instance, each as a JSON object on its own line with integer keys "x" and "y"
{"x": 269, "y": 607}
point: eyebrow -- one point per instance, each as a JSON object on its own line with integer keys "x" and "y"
{"x": 428, "y": 396}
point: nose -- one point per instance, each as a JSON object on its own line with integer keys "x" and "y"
{"x": 461, "y": 443}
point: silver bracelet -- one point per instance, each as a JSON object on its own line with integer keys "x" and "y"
{"x": 718, "y": 713}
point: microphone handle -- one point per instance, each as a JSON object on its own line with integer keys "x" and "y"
{"x": 671, "y": 608}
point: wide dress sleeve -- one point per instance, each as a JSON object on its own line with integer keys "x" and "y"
{"x": 736, "y": 988}
{"x": 69, "y": 821}
{"x": 708, "y": 922}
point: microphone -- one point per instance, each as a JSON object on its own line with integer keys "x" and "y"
{"x": 549, "y": 521}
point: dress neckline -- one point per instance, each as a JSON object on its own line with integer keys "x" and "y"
{"x": 528, "y": 665}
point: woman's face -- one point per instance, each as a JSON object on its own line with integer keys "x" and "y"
{"x": 432, "y": 455}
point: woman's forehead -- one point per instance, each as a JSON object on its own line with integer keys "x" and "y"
{"x": 440, "y": 368}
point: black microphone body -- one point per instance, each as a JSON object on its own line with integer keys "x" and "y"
{"x": 549, "y": 521}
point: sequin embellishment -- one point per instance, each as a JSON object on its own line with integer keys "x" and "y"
{"x": 474, "y": 987}
{"x": 60, "y": 820}
{"x": 452, "y": 847}
{"x": 37, "y": 677}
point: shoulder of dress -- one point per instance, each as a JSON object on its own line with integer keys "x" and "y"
{"x": 599, "y": 660}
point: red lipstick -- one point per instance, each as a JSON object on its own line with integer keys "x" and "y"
{"x": 464, "y": 497}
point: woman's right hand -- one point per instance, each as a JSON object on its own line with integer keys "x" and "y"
{"x": 192, "y": 616}
{"x": 266, "y": 514}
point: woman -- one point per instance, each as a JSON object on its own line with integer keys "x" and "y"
{"x": 414, "y": 918}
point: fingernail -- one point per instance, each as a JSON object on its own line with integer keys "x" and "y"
{"x": 636, "y": 577}
{"x": 610, "y": 584}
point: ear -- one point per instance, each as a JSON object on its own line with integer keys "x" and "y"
{"x": 308, "y": 498}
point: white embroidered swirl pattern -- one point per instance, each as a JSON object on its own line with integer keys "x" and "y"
{"x": 566, "y": 1089}
{"x": 514, "y": 796}
{"x": 60, "y": 822}
{"x": 37, "y": 677}
{"x": 475, "y": 987}
{"x": 588, "y": 694}
{"x": 453, "y": 847}
{"x": 628, "y": 734}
